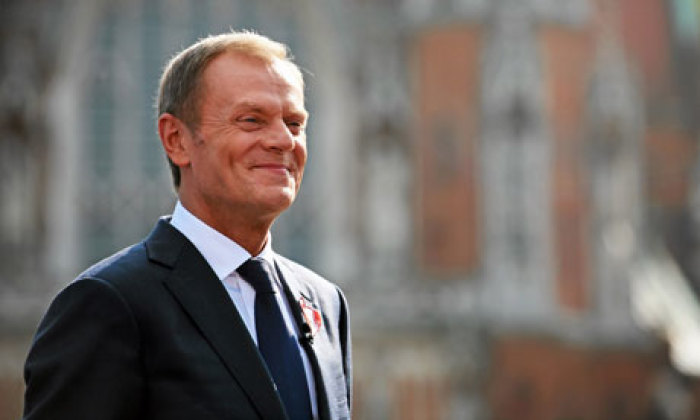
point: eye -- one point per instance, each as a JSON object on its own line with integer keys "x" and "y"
{"x": 295, "y": 126}
{"x": 249, "y": 122}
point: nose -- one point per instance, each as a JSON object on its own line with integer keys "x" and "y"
{"x": 279, "y": 137}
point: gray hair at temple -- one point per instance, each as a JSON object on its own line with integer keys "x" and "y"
{"x": 180, "y": 88}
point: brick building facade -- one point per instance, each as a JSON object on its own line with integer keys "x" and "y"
{"x": 487, "y": 180}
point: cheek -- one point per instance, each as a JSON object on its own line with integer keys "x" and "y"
{"x": 300, "y": 154}
{"x": 301, "y": 161}
{"x": 233, "y": 154}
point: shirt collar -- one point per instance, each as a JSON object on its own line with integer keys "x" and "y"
{"x": 222, "y": 254}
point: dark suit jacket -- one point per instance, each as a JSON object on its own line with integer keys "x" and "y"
{"x": 150, "y": 333}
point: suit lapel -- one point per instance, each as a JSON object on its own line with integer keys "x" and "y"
{"x": 294, "y": 290}
{"x": 201, "y": 294}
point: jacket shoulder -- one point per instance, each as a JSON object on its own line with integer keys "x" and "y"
{"x": 143, "y": 260}
{"x": 128, "y": 263}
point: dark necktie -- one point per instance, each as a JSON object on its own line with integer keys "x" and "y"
{"x": 276, "y": 344}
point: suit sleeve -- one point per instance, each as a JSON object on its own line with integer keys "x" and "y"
{"x": 84, "y": 362}
{"x": 346, "y": 345}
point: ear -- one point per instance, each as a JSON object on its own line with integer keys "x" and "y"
{"x": 173, "y": 132}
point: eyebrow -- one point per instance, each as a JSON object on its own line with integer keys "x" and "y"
{"x": 258, "y": 108}
{"x": 249, "y": 105}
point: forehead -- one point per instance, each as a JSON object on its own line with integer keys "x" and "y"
{"x": 237, "y": 75}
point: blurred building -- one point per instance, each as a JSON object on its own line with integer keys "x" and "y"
{"x": 506, "y": 189}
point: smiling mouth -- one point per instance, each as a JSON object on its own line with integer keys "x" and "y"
{"x": 275, "y": 168}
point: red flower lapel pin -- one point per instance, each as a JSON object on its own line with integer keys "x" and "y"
{"x": 312, "y": 318}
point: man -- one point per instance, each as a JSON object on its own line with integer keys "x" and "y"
{"x": 203, "y": 320}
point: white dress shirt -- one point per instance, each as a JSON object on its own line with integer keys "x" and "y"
{"x": 224, "y": 256}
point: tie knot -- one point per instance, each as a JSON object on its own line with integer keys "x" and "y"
{"x": 258, "y": 273}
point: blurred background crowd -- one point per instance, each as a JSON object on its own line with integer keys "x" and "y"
{"x": 507, "y": 190}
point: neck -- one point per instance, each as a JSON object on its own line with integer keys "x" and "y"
{"x": 251, "y": 241}
{"x": 248, "y": 232}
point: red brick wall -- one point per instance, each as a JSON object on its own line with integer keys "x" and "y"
{"x": 11, "y": 398}
{"x": 567, "y": 56}
{"x": 420, "y": 398}
{"x": 13, "y": 351}
{"x": 446, "y": 102}
{"x": 540, "y": 379}
{"x": 670, "y": 158}
{"x": 645, "y": 33}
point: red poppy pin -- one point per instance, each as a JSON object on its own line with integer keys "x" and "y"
{"x": 312, "y": 317}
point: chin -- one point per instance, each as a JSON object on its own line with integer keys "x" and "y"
{"x": 281, "y": 202}
{"x": 274, "y": 198}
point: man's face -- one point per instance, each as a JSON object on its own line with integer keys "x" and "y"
{"x": 248, "y": 152}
